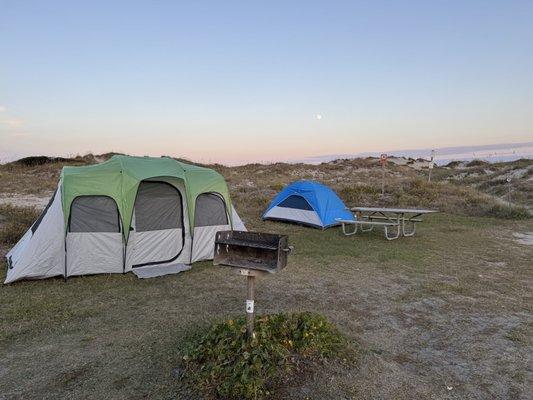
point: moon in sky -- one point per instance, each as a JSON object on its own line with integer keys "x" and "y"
{"x": 319, "y": 116}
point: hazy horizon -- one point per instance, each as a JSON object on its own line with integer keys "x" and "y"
{"x": 491, "y": 153}
{"x": 251, "y": 82}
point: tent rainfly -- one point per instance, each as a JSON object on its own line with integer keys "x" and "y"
{"x": 124, "y": 214}
{"x": 308, "y": 203}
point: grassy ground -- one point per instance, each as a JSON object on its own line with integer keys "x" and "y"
{"x": 446, "y": 314}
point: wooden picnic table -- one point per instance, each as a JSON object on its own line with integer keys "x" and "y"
{"x": 387, "y": 218}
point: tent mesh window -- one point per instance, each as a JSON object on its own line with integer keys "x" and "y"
{"x": 295, "y": 201}
{"x": 210, "y": 210}
{"x": 94, "y": 214}
{"x": 158, "y": 206}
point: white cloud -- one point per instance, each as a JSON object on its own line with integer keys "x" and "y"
{"x": 19, "y": 135}
{"x": 12, "y": 122}
{"x": 3, "y": 109}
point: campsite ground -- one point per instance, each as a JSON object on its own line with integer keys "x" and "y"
{"x": 446, "y": 314}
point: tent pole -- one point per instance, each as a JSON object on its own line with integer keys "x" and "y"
{"x": 65, "y": 274}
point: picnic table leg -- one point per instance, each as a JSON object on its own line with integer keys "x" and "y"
{"x": 367, "y": 229}
{"x": 371, "y": 226}
{"x": 348, "y": 233}
{"x": 413, "y": 230}
{"x": 396, "y": 236}
{"x": 397, "y": 230}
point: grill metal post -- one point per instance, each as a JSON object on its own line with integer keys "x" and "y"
{"x": 252, "y": 254}
{"x": 250, "y": 313}
{"x": 251, "y": 276}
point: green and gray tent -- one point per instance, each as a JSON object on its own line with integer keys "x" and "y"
{"x": 147, "y": 215}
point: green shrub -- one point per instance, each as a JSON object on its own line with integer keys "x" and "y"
{"x": 508, "y": 212}
{"x": 477, "y": 163}
{"x": 277, "y": 187}
{"x": 14, "y": 222}
{"x": 423, "y": 191}
{"x": 360, "y": 194}
{"x": 223, "y": 362}
{"x": 452, "y": 198}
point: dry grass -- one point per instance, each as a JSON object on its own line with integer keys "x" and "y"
{"x": 477, "y": 190}
{"x": 36, "y": 180}
{"x": 450, "y": 307}
{"x": 39, "y": 175}
{"x": 14, "y": 221}
{"x": 358, "y": 183}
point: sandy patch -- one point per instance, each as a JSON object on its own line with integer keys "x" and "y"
{"x": 398, "y": 160}
{"x": 518, "y": 173}
{"x": 524, "y": 238}
{"x": 27, "y": 200}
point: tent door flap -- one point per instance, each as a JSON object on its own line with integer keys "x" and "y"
{"x": 158, "y": 232}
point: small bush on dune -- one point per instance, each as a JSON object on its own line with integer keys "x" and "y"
{"x": 508, "y": 212}
{"x": 277, "y": 187}
{"x": 14, "y": 222}
{"x": 223, "y": 362}
{"x": 251, "y": 198}
{"x": 38, "y": 160}
{"x": 360, "y": 194}
{"x": 422, "y": 189}
{"x": 453, "y": 164}
{"x": 477, "y": 163}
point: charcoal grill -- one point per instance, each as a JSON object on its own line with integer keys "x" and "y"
{"x": 251, "y": 250}
{"x": 254, "y": 254}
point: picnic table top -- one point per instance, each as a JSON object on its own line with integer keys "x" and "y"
{"x": 347, "y": 221}
{"x": 393, "y": 210}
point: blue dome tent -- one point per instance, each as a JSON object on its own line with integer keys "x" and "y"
{"x": 309, "y": 203}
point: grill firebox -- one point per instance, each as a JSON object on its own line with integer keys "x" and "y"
{"x": 251, "y": 250}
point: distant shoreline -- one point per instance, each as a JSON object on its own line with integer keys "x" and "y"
{"x": 491, "y": 153}
{"x": 505, "y": 152}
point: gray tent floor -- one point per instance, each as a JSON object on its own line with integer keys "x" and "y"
{"x": 153, "y": 271}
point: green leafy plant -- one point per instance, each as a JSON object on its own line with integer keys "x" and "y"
{"x": 225, "y": 363}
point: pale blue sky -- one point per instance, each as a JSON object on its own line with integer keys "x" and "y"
{"x": 243, "y": 81}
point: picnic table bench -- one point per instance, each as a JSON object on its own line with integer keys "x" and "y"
{"x": 387, "y": 218}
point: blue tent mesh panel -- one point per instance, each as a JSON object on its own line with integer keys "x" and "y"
{"x": 295, "y": 201}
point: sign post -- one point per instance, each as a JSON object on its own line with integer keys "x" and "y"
{"x": 509, "y": 190}
{"x": 431, "y": 164}
{"x": 383, "y": 162}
